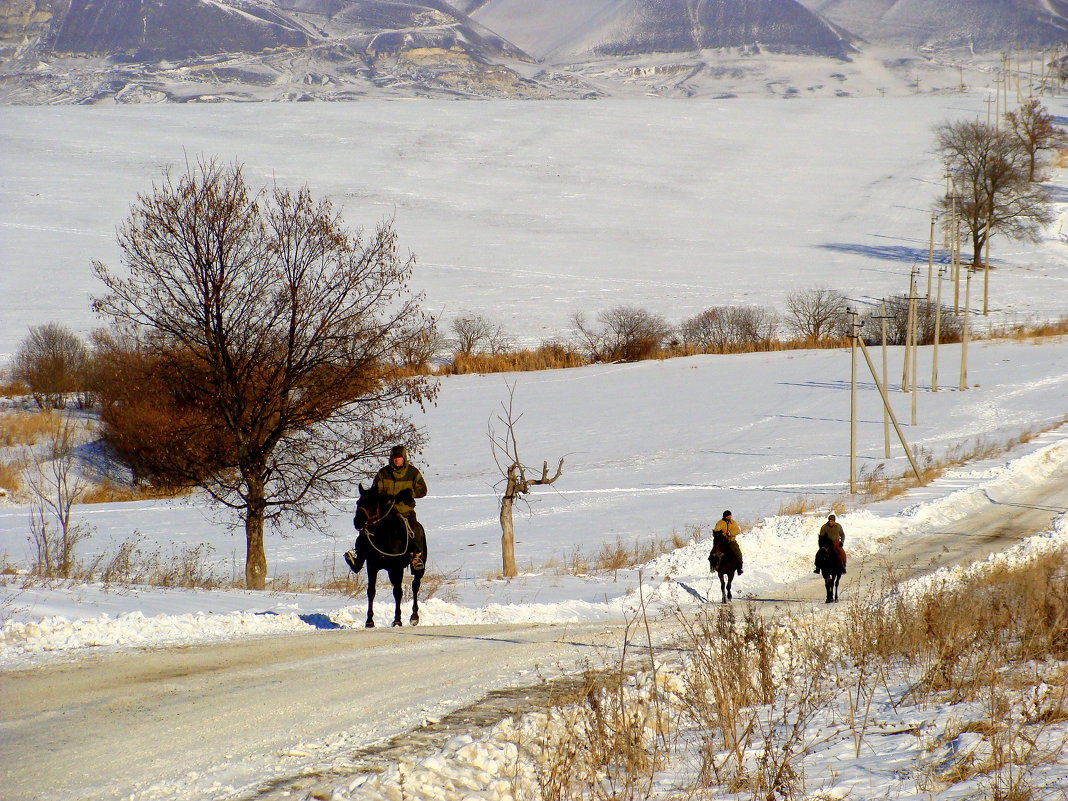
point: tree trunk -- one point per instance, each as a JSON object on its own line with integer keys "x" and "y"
{"x": 255, "y": 557}
{"x": 977, "y": 250}
{"x": 507, "y": 532}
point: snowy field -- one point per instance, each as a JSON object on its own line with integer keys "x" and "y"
{"x": 529, "y": 212}
{"x": 651, "y": 449}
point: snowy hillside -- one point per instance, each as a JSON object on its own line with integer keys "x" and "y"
{"x": 566, "y": 30}
{"x": 982, "y": 25}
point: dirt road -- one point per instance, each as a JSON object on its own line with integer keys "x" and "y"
{"x": 242, "y": 719}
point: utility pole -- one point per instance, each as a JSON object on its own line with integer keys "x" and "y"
{"x": 883, "y": 317}
{"x": 955, "y": 253}
{"x": 886, "y": 405}
{"x": 986, "y": 268}
{"x": 910, "y": 319}
{"x": 930, "y": 261}
{"x": 853, "y": 335}
{"x": 914, "y": 315}
{"x": 937, "y": 328}
{"x": 964, "y": 337}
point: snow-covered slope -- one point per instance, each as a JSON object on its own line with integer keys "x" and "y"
{"x": 985, "y": 25}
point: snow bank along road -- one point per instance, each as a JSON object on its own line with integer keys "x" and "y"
{"x": 220, "y": 721}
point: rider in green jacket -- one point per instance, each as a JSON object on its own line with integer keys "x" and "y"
{"x": 399, "y": 482}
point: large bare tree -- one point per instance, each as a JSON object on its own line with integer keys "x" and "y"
{"x": 992, "y": 193}
{"x": 1036, "y": 130}
{"x": 274, "y": 326}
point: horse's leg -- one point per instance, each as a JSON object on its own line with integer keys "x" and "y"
{"x": 723, "y": 587}
{"x": 828, "y": 582}
{"x": 372, "y": 579}
{"x": 396, "y": 576}
{"x": 417, "y": 579}
{"x": 730, "y": 582}
{"x": 837, "y": 581}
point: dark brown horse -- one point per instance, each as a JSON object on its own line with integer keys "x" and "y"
{"x": 721, "y": 560}
{"x": 829, "y": 561}
{"x": 386, "y": 544}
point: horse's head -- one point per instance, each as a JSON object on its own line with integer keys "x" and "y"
{"x": 368, "y": 508}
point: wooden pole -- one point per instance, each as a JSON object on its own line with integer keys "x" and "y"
{"x": 914, "y": 300}
{"x": 886, "y": 417}
{"x": 955, "y": 258}
{"x": 937, "y": 328}
{"x": 986, "y": 272}
{"x": 853, "y": 402}
{"x": 930, "y": 261}
{"x": 964, "y": 338}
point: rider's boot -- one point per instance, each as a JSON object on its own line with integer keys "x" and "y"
{"x": 354, "y": 560}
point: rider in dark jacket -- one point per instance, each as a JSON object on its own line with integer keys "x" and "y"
{"x": 399, "y": 483}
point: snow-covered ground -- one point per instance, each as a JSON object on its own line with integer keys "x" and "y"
{"x": 528, "y": 213}
{"x": 651, "y": 449}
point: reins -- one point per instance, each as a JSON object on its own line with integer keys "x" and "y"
{"x": 407, "y": 531}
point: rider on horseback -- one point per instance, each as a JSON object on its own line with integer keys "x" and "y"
{"x": 400, "y": 483}
{"x": 832, "y": 535}
{"x": 730, "y": 530}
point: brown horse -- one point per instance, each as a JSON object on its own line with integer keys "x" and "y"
{"x": 721, "y": 560}
{"x": 386, "y": 544}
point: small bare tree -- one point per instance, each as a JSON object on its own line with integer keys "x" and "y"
{"x": 720, "y": 329}
{"x": 515, "y": 477}
{"x": 473, "y": 332}
{"x": 52, "y": 361}
{"x": 817, "y": 312}
{"x": 54, "y": 488}
{"x": 623, "y": 333}
{"x": 1036, "y": 130}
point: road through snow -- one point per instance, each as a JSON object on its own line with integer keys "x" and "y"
{"x": 235, "y": 720}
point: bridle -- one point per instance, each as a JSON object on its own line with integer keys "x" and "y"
{"x": 367, "y": 529}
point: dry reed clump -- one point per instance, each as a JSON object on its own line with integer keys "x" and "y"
{"x": 12, "y": 388}
{"x": 26, "y": 428}
{"x": 547, "y": 356}
{"x": 1031, "y": 331}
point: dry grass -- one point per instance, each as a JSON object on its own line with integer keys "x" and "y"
{"x": 12, "y": 388}
{"x": 109, "y": 492}
{"x": 805, "y": 505}
{"x": 618, "y": 555}
{"x": 544, "y": 357}
{"x": 1032, "y": 331}
{"x": 26, "y": 428}
{"x": 878, "y": 486}
{"x": 10, "y": 477}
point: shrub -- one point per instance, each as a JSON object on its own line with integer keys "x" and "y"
{"x": 52, "y": 361}
{"x": 624, "y": 333}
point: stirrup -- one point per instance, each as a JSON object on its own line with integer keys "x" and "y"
{"x": 417, "y": 562}
{"x": 353, "y": 561}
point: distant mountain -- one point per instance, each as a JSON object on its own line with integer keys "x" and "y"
{"x": 138, "y": 50}
{"x": 154, "y": 30}
{"x": 561, "y": 30}
{"x": 981, "y": 25}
